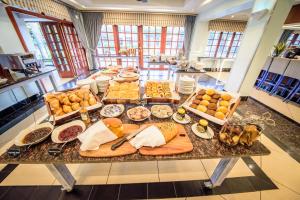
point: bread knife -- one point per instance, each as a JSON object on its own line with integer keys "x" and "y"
{"x": 128, "y": 137}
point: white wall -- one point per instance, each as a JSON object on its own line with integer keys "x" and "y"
{"x": 259, "y": 38}
{"x": 9, "y": 40}
{"x": 10, "y": 43}
{"x": 199, "y": 39}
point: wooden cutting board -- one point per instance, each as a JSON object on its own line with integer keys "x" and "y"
{"x": 105, "y": 149}
{"x": 180, "y": 144}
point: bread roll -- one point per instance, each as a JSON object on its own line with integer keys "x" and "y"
{"x": 67, "y": 109}
{"x": 75, "y": 106}
{"x": 115, "y": 125}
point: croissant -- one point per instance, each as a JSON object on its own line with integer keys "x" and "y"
{"x": 66, "y": 101}
{"x": 75, "y": 106}
{"x": 67, "y": 109}
{"x": 92, "y": 100}
{"x": 74, "y": 98}
{"x": 54, "y": 104}
{"x": 59, "y": 112}
{"x": 84, "y": 103}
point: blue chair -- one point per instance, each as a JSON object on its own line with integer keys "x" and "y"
{"x": 264, "y": 72}
{"x": 275, "y": 74}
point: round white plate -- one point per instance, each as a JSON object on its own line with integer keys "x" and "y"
{"x": 139, "y": 120}
{"x": 128, "y": 75}
{"x": 121, "y": 106}
{"x": 23, "y": 133}
{"x": 56, "y": 132}
{"x": 209, "y": 134}
{"x": 152, "y": 108}
{"x": 186, "y": 120}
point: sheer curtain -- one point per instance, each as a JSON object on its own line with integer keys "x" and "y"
{"x": 188, "y": 31}
{"x": 88, "y": 27}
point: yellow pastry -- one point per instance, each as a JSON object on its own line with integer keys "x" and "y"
{"x": 202, "y": 108}
{"x": 204, "y": 102}
{"x": 67, "y": 109}
{"x": 224, "y": 103}
{"x": 75, "y": 106}
{"x": 206, "y": 97}
{"x": 219, "y": 115}
{"x": 226, "y": 97}
{"x": 222, "y": 109}
{"x": 210, "y": 92}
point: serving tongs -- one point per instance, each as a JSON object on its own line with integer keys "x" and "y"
{"x": 16, "y": 151}
{"x": 56, "y": 149}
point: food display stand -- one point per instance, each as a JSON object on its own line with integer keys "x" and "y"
{"x": 198, "y": 149}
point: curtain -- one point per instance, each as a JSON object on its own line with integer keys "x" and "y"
{"x": 92, "y": 23}
{"x": 188, "y": 31}
{"x": 285, "y": 35}
{"x": 227, "y": 25}
{"x": 146, "y": 19}
{"x": 77, "y": 19}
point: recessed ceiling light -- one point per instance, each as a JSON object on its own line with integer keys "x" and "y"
{"x": 232, "y": 16}
{"x": 206, "y": 2}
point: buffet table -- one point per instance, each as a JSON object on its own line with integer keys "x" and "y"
{"x": 202, "y": 149}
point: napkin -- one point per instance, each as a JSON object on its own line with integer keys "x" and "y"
{"x": 95, "y": 135}
{"x": 149, "y": 137}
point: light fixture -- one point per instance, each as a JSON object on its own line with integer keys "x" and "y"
{"x": 205, "y": 2}
{"x": 232, "y": 16}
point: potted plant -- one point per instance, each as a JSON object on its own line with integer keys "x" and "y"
{"x": 278, "y": 49}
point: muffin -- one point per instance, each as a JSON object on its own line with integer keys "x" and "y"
{"x": 219, "y": 115}
{"x": 206, "y": 97}
{"x": 202, "y": 92}
{"x": 204, "y": 102}
{"x": 211, "y": 112}
{"x": 196, "y": 101}
{"x": 222, "y": 109}
{"x": 216, "y": 96}
{"x": 213, "y": 101}
{"x": 224, "y": 103}
{"x": 193, "y": 106}
{"x": 210, "y": 92}
{"x": 226, "y": 97}
{"x": 201, "y": 108}
{"x": 199, "y": 97}
{"x": 212, "y": 106}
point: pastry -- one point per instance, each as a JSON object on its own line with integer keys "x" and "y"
{"x": 84, "y": 103}
{"x": 66, "y": 101}
{"x": 54, "y": 104}
{"x": 210, "y": 92}
{"x": 219, "y": 115}
{"x": 204, "y": 102}
{"x": 138, "y": 113}
{"x": 75, "y": 106}
{"x": 212, "y": 106}
{"x": 201, "y": 108}
{"x": 224, "y": 103}
{"x": 162, "y": 111}
{"x": 226, "y": 97}
{"x": 198, "y": 97}
{"x": 74, "y": 98}
{"x": 196, "y": 102}
{"x": 92, "y": 100}
{"x": 216, "y": 96}
{"x": 213, "y": 101}
{"x": 211, "y": 112}
{"x": 168, "y": 130}
{"x": 158, "y": 89}
{"x": 202, "y": 92}
{"x": 67, "y": 109}
{"x": 193, "y": 106}
{"x": 115, "y": 125}
{"x": 222, "y": 109}
{"x": 206, "y": 97}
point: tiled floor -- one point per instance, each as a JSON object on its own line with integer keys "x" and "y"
{"x": 280, "y": 167}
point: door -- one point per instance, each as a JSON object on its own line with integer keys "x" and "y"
{"x": 58, "y": 49}
{"x": 75, "y": 48}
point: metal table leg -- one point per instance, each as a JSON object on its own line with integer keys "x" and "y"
{"x": 63, "y": 175}
{"x": 222, "y": 170}
{"x": 53, "y": 82}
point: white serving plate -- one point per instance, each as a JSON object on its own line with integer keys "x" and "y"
{"x": 23, "y": 133}
{"x": 235, "y": 97}
{"x": 56, "y": 131}
{"x": 116, "y": 115}
{"x": 158, "y": 116}
{"x": 187, "y": 119}
{"x": 209, "y": 134}
{"x": 139, "y": 120}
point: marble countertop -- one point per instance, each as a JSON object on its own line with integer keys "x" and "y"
{"x": 203, "y": 149}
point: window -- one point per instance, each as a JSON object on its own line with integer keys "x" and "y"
{"x": 174, "y": 40}
{"x": 128, "y": 38}
{"x": 223, "y": 44}
{"x": 106, "y": 47}
{"x": 293, "y": 40}
{"x": 151, "y": 40}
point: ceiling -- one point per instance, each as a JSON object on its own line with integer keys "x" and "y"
{"x": 168, "y": 6}
{"x": 240, "y": 16}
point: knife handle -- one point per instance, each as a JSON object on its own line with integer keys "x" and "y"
{"x": 118, "y": 144}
